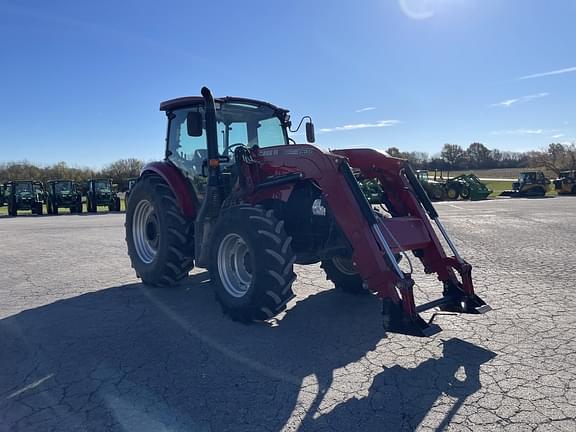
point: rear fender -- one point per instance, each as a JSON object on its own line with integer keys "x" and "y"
{"x": 177, "y": 182}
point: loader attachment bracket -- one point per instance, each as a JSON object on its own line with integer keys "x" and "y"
{"x": 397, "y": 321}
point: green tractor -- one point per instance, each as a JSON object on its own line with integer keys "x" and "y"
{"x": 63, "y": 193}
{"x": 25, "y": 195}
{"x": 3, "y": 201}
{"x": 131, "y": 182}
{"x": 529, "y": 184}
{"x": 100, "y": 192}
{"x": 468, "y": 186}
{"x": 435, "y": 189}
{"x": 565, "y": 184}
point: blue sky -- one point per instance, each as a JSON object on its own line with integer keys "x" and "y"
{"x": 82, "y": 81}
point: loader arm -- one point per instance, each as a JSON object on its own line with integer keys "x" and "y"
{"x": 375, "y": 240}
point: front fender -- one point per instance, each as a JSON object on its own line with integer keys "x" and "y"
{"x": 177, "y": 182}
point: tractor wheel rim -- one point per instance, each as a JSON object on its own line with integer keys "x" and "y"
{"x": 145, "y": 231}
{"x": 452, "y": 193}
{"x": 234, "y": 265}
{"x": 344, "y": 265}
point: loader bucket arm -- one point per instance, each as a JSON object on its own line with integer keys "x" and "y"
{"x": 375, "y": 240}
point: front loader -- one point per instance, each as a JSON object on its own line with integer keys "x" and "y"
{"x": 237, "y": 196}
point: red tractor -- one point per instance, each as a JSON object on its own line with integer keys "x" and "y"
{"x": 237, "y": 196}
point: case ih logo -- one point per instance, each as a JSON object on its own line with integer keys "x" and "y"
{"x": 271, "y": 152}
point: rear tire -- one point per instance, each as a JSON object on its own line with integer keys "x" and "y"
{"x": 437, "y": 194}
{"x": 40, "y": 209}
{"x": 251, "y": 263}
{"x": 344, "y": 276}
{"x": 159, "y": 238}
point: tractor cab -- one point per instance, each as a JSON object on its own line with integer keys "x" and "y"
{"x": 532, "y": 177}
{"x": 433, "y": 188}
{"x": 240, "y": 124}
{"x": 529, "y": 184}
{"x": 422, "y": 175}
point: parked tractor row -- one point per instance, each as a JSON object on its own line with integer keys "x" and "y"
{"x": 469, "y": 186}
{"x": 465, "y": 186}
{"x": 57, "y": 194}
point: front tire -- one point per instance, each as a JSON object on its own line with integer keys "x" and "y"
{"x": 12, "y": 210}
{"x": 452, "y": 193}
{"x": 344, "y": 276}
{"x": 251, "y": 263}
{"x": 158, "y": 236}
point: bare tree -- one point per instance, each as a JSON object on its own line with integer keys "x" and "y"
{"x": 453, "y": 155}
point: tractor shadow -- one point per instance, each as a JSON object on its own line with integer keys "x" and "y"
{"x": 401, "y": 398}
{"x": 133, "y": 358}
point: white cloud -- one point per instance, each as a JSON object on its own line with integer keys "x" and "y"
{"x": 554, "y": 72}
{"x": 522, "y": 99}
{"x": 378, "y": 124}
{"x": 519, "y": 132}
{"x": 557, "y": 136}
{"x": 417, "y": 9}
{"x": 365, "y": 109}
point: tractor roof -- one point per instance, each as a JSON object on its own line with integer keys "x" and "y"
{"x": 199, "y": 100}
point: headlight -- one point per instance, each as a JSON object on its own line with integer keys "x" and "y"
{"x": 317, "y": 208}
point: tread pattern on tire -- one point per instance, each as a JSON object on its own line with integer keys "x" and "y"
{"x": 352, "y": 284}
{"x": 273, "y": 276}
{"x": 178, "y": 254}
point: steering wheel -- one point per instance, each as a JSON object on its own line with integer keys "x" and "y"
{"x": 228, "y": 149}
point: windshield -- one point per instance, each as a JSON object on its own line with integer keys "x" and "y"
{"x": 63, "y": 187}
{"x": 102, "y": 185}
{"x": 423, "y": 175}
{"x": 237, "y": 124}
{"x": 23, "y": 187}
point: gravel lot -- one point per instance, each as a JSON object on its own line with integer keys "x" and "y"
{"x": 84, "y": 346}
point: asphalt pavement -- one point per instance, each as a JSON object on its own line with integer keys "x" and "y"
{"x": 85, "y": 347}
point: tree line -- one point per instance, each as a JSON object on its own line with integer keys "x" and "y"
{"x": 118, "y": 171}
{"x": 556, "y": 157}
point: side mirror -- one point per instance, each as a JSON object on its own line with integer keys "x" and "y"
{"x": 310, "y": 137}
{"x": 194, "y": 123}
